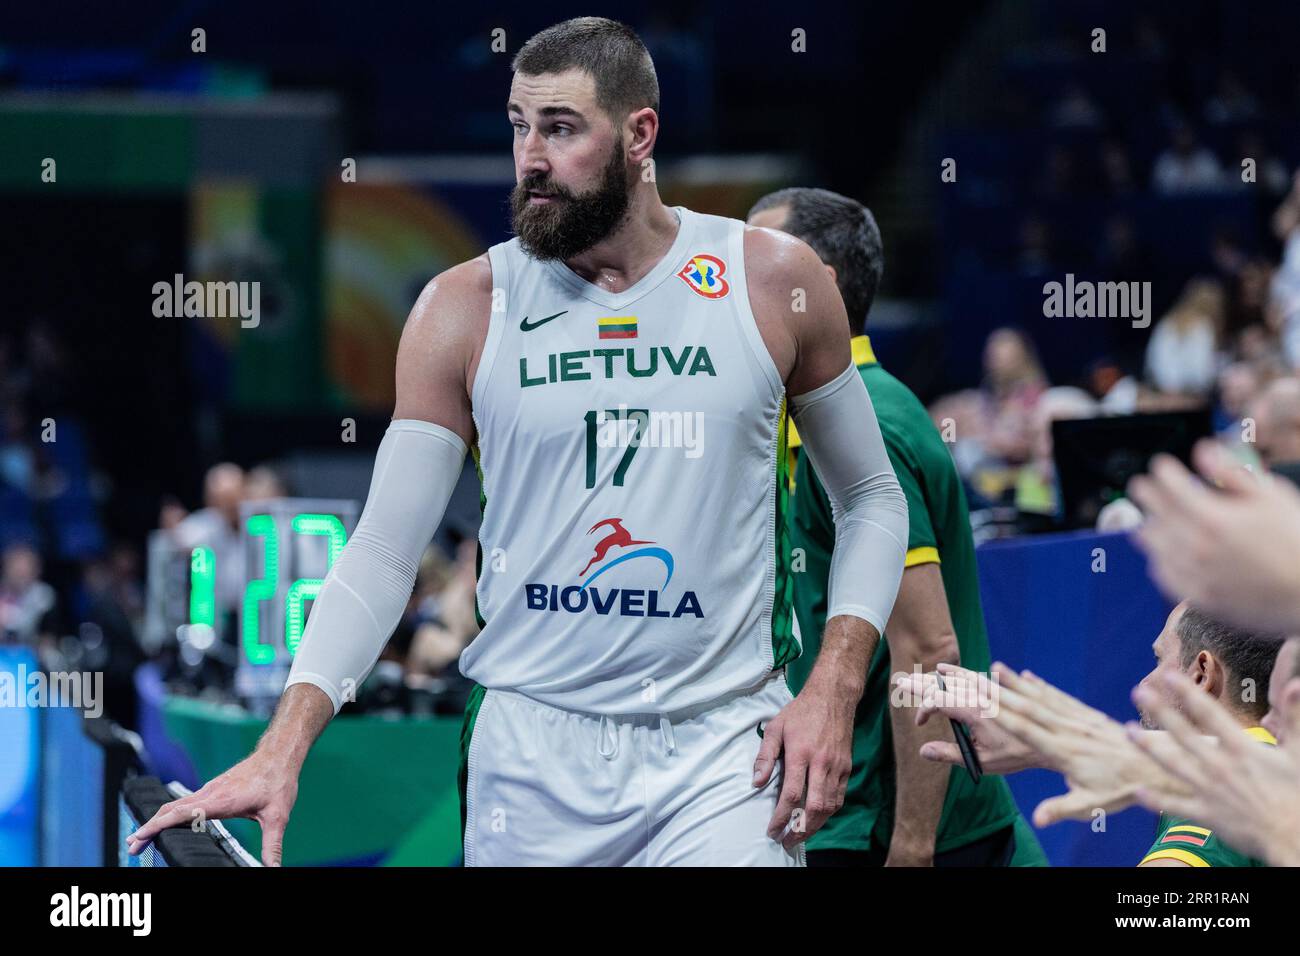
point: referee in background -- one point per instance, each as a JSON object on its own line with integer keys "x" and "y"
{"x": 900, "y": 809}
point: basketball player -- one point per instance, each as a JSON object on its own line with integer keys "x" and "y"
{"x": 900, "y": 810}
{"x": 631, "y": 705}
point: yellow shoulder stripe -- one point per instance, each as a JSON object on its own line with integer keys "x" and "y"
{"x": 1191, "y": 859}
{"x": 1259, "y": 733}
{"x": 1188, "y": 828}
{"x": 862, "y": 355}
{"x": 921, "y": 556}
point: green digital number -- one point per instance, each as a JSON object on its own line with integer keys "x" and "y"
{"x": 203, "y": 587}
{"x": 305, "y": 589}
{"x": 263, "y": 589}
{"x": 639, "y": 415}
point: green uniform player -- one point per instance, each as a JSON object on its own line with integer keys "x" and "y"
{"x": 1179, "y": 840}
{"x": 974, "y": 815}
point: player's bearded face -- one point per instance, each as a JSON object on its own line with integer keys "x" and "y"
{"x": 572, "y": 222}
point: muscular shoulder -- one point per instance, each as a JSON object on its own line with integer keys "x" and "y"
{"x": 776, "y": 262}
{"x": 441, "y": 344}
{"x": 797, "y": 307}
{"x": 453, "y": 304}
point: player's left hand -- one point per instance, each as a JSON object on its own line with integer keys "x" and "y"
{"x": 814, "y": 735}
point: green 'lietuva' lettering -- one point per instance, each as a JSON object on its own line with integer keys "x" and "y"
{"x": 574, "y": 367}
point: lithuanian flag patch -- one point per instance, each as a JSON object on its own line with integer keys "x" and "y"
{"x": 617, "y": 327}
{"x": 1194, "y": 836}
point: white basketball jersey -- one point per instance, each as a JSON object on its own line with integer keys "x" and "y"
{"x": 631, "y": 449}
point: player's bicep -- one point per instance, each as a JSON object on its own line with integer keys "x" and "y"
{"x": 821, "y": 330}
{"x": 799, "y": 310}
{"x": 438, "y": 343}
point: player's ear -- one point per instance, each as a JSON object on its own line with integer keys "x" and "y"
{"x": 834, "y": 276}
{"x": 643, "y": 127}
{"x": 1205, "y": 669}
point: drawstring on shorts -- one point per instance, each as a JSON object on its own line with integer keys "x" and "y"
{"x": 607, "y": 737}
{"x": 603, "y": 734}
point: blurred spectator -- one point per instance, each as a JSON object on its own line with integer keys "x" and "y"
{"x": 1182, "y": 356}
{"x": 1116, "y": 391}
{"x": 1247, "y": 329}
{"x": 1277, "y": 427}
{"x": 991, "y": 429}
{"x": 1036, "y": 491}
{"x": 1230, "y": 259}
{"x": 262, "y": 484}
{"x": 1013, "y": 383}
{"x": 1284, "y": 293}
{"x": 170, "y": 513}
{"x": 28, "y": 606}
{"x": 216, "y": 526}
{"x": 1185, "y": 166}
{"x": 1239, "y": 384}
{"x": 1258, "y": 345}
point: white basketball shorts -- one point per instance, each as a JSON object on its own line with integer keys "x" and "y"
{"x": 551, "y": 787}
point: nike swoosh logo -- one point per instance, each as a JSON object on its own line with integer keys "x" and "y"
{"x": 525, "y": 327}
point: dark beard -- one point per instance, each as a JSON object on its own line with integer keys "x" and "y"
{"x": 575, "y": 223}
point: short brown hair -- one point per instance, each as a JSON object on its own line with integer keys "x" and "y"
{"x": 609, "y": 51}
{"x": 1246, "y": 655}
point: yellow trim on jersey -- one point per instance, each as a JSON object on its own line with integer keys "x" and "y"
{"x": 862, "y": 355}
{"x": 1188, "y": 828}
{"x": 1187, "y": 856}
{"x": 862, "y": 351}
{"x": 921, "y": 556}
{"x": 1259, "y": 733}
{"x": 1183, "y": 856}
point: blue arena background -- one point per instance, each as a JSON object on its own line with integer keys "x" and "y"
{"x": 1090, "y": 634}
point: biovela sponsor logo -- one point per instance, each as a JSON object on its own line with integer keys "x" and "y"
{"x": 74, "y": 908}
{"x": 1084, "y": 299}
{"x": 615, "y": 547}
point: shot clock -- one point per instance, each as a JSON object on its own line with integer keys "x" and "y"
{"x": 242, "y": 602}
{"x": 289, "y": 546}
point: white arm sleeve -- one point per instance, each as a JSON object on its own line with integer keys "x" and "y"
{"x": 365, "y": 592}
{"x": 837, "y": 425}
